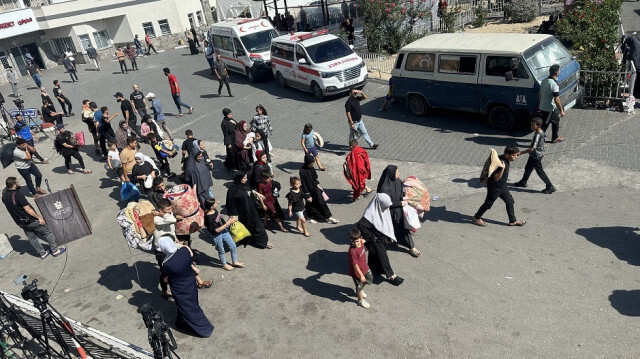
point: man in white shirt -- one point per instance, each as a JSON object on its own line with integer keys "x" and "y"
{"x": 25, "y": 166}
{"x": 550, "y": 105}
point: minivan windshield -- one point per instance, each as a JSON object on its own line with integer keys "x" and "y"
{"x": 540, "y": 57}
{"x": 259, "y": 41}
{"x": 328, "y": 51}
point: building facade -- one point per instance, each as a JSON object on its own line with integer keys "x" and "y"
{"x": 45, "y": 29}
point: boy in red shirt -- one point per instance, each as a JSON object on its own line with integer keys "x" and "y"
{"x": 175, "y": 92}
{"x": 358, "y": 267}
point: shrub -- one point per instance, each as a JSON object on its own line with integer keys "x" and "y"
{"x": 389, "y": 25}
{"x": 479, "y": 16}
{"x": 521, "y": 10}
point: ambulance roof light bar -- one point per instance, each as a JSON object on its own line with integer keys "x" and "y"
{"x": 312, "y": 34}
{"x": 247, "y": 20}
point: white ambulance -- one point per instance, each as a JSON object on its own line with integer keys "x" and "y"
{"x": 316, "y": 62}
{"x": 244, "y": 45}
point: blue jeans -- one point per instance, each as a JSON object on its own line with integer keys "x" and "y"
{"x": 358, "y": 131}
{"x": 179, "y": 103}
{"x": 36, "y": 78}
{"x": 26, "y": 174}
{"x": 221, "y": 239}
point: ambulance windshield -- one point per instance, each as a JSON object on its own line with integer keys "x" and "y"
{"x": 259, "y": 41}
{"x": 328, "y": 51}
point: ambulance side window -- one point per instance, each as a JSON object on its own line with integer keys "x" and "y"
{"x": 239, "y": 48}
{"x": 226, "y": 43}
{"x": 287, "y": 52}
{"x": 217, "y": 42}
{"x": 301, "y": 54}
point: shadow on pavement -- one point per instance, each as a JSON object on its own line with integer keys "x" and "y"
{"x": 327, "y": 262}
{"x": 338, "y": 234}
{"x": 23, "y": 246}
{"x": 472, "y": 182}
{"x": 442, "y": 214}
{"x": 290, "y": 168}
{"x": 123, "y": 276}
{"x": 626, "y": 302}
{"x": 624, "y": 242}
{"x": 335, "y": 148}
{"x": 501, "y": 142}
{"x": 338, "y": 196}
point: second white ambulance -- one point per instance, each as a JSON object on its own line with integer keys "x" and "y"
{"x": 316, "y": 62}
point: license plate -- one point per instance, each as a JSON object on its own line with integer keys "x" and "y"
{"x": 352, "y": 82}
{"x": 570, "y": 105}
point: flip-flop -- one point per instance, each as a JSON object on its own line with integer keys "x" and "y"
{"x": 228, "y": 269}
{"x": 307, "y": 235}
{"x": 205, "y": 284}
{"x": 518, "y": 223}
{"x": 239, "y": 265}
{"x": 60, "y": 251}
{"x": 481, "y": 224}
{"x": 45, "y": 255}
{"x": 269, "y": 246}
{"x": 415, "y": 254}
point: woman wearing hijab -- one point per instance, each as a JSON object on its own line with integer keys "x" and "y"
{"x": 123, "y": 132}
{"x": 260, "y": 143}
{"x": 377, "y": 229}
{"x": 228, "y": 126}
{"x": 177, "y": 266}
{"x": 391, "y": 184}
{"x": 242, "y": 150}
{"x": 198, "y": 173}
{"x": 259, "y": 167}
{"x": 242, "y": 205}
{"x": 144, "y": 173}
{"x": 316, "y": 206}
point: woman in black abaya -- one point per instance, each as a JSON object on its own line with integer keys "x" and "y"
{"x": 316, "y": 206}
{"x": 199, "y": 173}
{"x": 377, "y": 230}
{"x": 241, "y": 204}
{"x": 391, "y": 184}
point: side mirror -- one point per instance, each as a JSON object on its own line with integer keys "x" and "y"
{"x": 508, "y": 75}
{"x": 302, "y": 61}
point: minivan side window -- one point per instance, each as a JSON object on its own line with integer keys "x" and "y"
{"x": 239, "y": 47}
{"x": 399, "y": 61}
{"x": 455, "y": 64}
{"x": 301, "y": 54}
{"x": 420, "y": 62}
{"x": 217, "y": 41}
{"x": 499, "y": 65}
{"x": 226, "y": 43}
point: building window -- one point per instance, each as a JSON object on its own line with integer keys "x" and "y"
{"x": 62, "y": 44}
{"x": 102, "y": 39}
{"x": 4, "y": 60}
{"x": 164, "y": 27}
{"x": 85, "y": 40}
{"x": 147, "y": 27}
{"x": 191, "y": 20}
{"x": 199, "y": 17}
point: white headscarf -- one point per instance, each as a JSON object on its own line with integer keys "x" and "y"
{"x": 168, "y": 246}
{"x": 377, "y": 212}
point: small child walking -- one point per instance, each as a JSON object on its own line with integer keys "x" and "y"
{"x": 114, "y": 162}
{"x": 269, "y": 203}
{"x": 217, "y": 226}
{"x": 536, "y": 153}
{"x": 296, "y": 205}
{"x": 308, "y": 144}
{"x": 358, "y": 267}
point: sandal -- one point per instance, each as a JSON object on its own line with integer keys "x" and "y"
{"x": 238, "y": 264}
{"x": 307, "y": 234}
{"x": 205, "y": 284}
{"x": 479, "y": 222}
{"x": 518, "y": 223}
{"x": 70, "y": 172}
{"x": 45, "y": 255}
{"x": 558, "y": 140}
{"x": 87, "y": 172}
{"x": 167, "y": 295}
{"x": 284, "y": 230}
{"x": 332, "y": 220}
{"x": 415, "y": 253}
{"x": 227, "y": 267}
{"x": 366, "y": 193}
{"x": 269, "y": 246}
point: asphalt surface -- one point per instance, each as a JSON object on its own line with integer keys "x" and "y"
{"x": 563, "y": 286}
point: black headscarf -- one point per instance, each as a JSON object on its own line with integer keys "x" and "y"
{"x": 237, "y": 180}
{"x": 390, "y": 185}
{"x": 309, "y": 160}
{"x": 198, "y": 172}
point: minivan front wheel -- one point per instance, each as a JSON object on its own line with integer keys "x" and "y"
{"x": 250, "y": 75}
{"x": 281, "y": 80}
{"x": 317, "y": 91}
{"x": 501, "y": 118}
{"x": 417, "y": 105}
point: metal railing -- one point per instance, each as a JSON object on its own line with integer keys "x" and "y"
{"x": 382, "y": 64}
{"x": 609, "y": 85}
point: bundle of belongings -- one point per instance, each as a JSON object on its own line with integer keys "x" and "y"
{"x": 136, "y": 221}
{"x": 418, "y": 201}
{"x": 491, "y": 165}
{"x": 184, "y": 202}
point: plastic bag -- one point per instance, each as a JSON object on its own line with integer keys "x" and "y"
{"x": 129, "y": 192}
{"x": 411, "y": 220}
{"x": 238, "y": 231}
{"x": 80, "y": 138}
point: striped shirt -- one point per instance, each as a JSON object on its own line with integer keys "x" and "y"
{"x": 537, "y": 143}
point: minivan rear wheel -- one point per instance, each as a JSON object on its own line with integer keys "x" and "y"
{"x": 317, "y": 91}
{"x": 417, "y": 105}
{"x": 501, "y": 118}
{"x": 281, "y": 80}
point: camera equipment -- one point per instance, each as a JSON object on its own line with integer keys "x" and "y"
{"x": 19, "y": 103}
{"x": 157, "y": 332}
{"x": 55, "y": 323}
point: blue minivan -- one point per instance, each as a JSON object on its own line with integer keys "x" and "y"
{"x": 497, "y": 75}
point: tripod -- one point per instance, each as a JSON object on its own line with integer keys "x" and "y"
{"x": 51, "y": 322}
{"x": 11, "y": 322}
{"x": 6, "y": 133}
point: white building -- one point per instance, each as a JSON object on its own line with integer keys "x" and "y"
{"x": 46, "y": 28}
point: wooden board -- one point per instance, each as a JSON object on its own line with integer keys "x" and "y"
{"x": 65, "y": 215}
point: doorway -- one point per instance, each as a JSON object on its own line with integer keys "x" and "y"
{"x": 21, "y": 60}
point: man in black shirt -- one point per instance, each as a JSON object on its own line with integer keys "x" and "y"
{"x": 354, "y": 115}
{"x": 62, "y": 99}
{"x": 139, "y": 103}
{"x": 68, "y": 149}
{"x": 497, "y": 188}
{"x": 128, "y": 112}
{"x": 28, "y": 219}
{"x": 188, "y": 144}
{"x": 49, "y": 115}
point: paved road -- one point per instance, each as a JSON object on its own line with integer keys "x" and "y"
{"x": 630, "y": 15}
{"x": 564, "y": 286}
